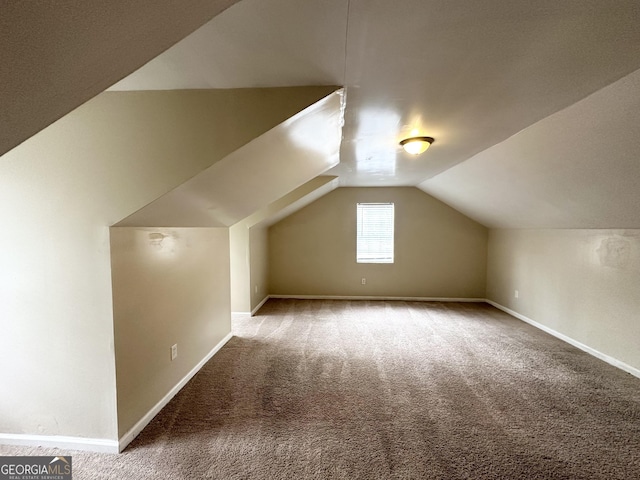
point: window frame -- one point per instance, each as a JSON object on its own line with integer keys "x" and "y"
{"x": 368, "y": 253}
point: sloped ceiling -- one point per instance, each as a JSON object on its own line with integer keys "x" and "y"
{"x": 470, "y": 74}
{"x": 293, "y": 201}
{"x": 255, "y": 175}
{"x": 55, "y": 55}
{"x": 578, "y": 168}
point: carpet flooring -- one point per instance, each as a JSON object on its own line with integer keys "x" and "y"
{"x": 387, "y": 390}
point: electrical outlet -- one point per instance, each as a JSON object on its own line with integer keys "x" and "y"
{"x": 516, "y": 294}
{"x": 174, "y": 352}
{"x": 256, "y": 287}
{"x": 364, "y": 281}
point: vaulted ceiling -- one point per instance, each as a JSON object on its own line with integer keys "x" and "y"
{"x": 533, "y": 105}
{"x": 470, "y": 74}
{"x": 56, "y": 55}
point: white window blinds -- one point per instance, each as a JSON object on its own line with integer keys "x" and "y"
{"x": 375, "y": 233}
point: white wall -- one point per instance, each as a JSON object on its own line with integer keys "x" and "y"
{"x": 584, "y": 284}
{"x": 170, "y": 286}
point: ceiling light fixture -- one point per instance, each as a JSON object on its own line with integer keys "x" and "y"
{"x": 416, "y": 145}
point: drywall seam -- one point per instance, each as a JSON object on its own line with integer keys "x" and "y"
{"x": 377, "y": 297}
{"x": 585, "y": 348}
{"x": 58, "y": 441}
{"x": 128, "y": 437}
{"x": 259, "y": 306}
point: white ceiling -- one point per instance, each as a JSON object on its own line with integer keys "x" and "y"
{"x": 579, "y": 168}
{"x": 488, "y": 79}
{"x": 470, "y": 74}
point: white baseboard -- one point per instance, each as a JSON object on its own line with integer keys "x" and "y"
{"x": 62, "y": 442}
{"x": 592, "y": 351}
{"x": 376, "y": 297}
{"x": 103, "y": 445}
{"x": 128, "y": 437}
{"x": 241, "y": 314}
{"x": 259, "y": 306}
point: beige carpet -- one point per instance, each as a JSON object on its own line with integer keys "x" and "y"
{"x": 388, "y": 390}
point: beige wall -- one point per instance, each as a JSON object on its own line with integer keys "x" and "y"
{"x": 240, "y": 268}
{"x": 249, "y": 266}
{"x": 438, "y": 252}
{"x": 59, "y": 192}
{"x": 54, "y": 60}
{"x": 170, "y": 286}
{"x": 259, "y": 255}
{"x": 249, "y": 240}
{"x": 581, "y": 283}
{"x": 256, "y": 174}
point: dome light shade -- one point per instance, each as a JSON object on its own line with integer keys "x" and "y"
{"x": 416, "y": 145}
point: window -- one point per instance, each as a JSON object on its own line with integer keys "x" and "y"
{"x": 375, "y": 233}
